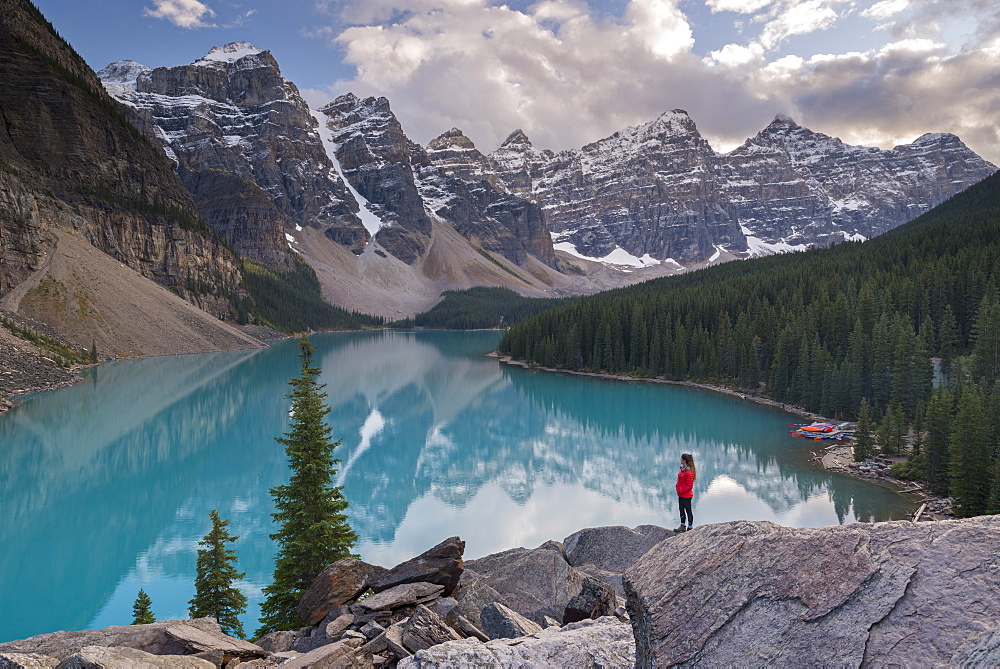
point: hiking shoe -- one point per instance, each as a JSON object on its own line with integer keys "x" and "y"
{"x": 682, "y": 528}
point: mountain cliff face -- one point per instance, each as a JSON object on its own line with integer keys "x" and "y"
{"x": 660, "y": 189}
{"x": 243, "y": 142}
{"x": 70, "y": 160}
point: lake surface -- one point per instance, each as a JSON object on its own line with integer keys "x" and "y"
{"x": 107, "y": 486}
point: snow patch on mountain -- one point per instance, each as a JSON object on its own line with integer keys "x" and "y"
{"x": 372, "y": 222}
{"x": 228, "y": 53}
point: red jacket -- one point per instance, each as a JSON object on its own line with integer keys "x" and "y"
{"x": 685, "y": 483}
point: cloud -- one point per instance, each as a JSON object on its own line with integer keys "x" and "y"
{"x": 799, "y": 18}
{"x": 885, "y": 9}
{"x": 738, "y": 6}
{"x": 182, "y": 13}
{"x": 568, "y": 76}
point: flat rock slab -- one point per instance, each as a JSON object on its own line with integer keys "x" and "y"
{"x": 592, "y": 644}
{"x": 406, "y": 594}
{"x": 324, "y": 656}
{"x": 341, "y": 582}
{"x": 614, "y": 548}
{"x": 27, "y": 661}
{"x": 442, "y": 565}
{"x": 105, "y": 657}
{"x": 168, "y": 637}
{"x": 755, "y": 593}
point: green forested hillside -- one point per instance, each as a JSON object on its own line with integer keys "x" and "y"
{"x": 292, "y": 301}
{"x": 822, "y": 329}
{"x": 480, "y": 308}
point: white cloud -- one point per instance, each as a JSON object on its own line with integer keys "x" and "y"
{"x": 736, "y": 55}
{"x": 885, "y": 9}
{"x": 567, "y": 76}
{"x": 799, "y": 18}
{"x": 738, "y": 6}
{"x": 183, "y": 13}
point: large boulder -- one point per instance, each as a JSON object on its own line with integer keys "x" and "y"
{"x": 473, "y": 593}
{"x": 201, "y": 636}
{"x": 535, "y": 583}
{"x": 425, "y": 629}
{"x": 591, "y": 644}
{"x": 614, "y": 548}
{"x": 442, "y": 565}
{"x": 406, "y": 594}
{"x": 499, "y": 622}
{"x": 339, "y": 583}
{"x": 596, "y": 600}
{"x": 755, "y": 593}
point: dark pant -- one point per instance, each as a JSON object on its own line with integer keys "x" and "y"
{"x": 685, "y": 503}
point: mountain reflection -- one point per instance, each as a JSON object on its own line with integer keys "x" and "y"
{"x": 108, "y": 484}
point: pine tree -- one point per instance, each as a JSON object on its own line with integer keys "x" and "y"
{"x": 864, "y": 441}
{"x": 314, "y": 529}
{"x": 891, "y": 432}
{"x": 937, "y": 423}
{"x": 215, "y": 595}
{"x": 993, "y": 505}
{"x": 142, "y": 609}
{"x": 971, "y": 449}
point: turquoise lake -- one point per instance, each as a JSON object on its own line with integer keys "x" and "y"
{"x": 108, "y": 485}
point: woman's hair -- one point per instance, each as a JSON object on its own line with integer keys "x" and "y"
{"x": 688, "y": 460}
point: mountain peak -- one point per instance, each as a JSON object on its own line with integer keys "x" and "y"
{"x": 230, "y": 53}
{"x": 516, "y": 138}
{"x": 122, "y": 71}
{"x": 783, "y": 119}
{"x": 452, "y": 139}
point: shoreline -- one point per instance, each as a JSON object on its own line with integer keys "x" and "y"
{"x": 833, "y": 459}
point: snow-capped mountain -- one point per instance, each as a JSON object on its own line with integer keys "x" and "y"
{"x": 244, "y": 143}
{"x": 659, "y": 192}
{"x": 264, "y": 170}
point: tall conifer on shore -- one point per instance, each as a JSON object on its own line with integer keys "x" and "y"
{"x": 215, "y": 595}
{"x": 971, "y": 450}
{"x": 142, "y": 609}
{"x": 311, "y": 511}
{"x": 864, "y": 440}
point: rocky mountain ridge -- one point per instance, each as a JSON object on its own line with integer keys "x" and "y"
{"x": 660, "y": 192}
{"x": 654, "y": 197}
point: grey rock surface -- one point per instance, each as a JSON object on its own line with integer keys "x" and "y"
{"x": 982, "y": 650}
{"x": 472, "y": 594}
{"x": 441, "y": 564}
{"x": 277, "y": 642}
{"x": 324, "y": 656}
{"x": 104, "y": 657}
{"x": 613, "y": 548}
{"x": 339, "y": 583}
{"x": 535, "y": 583}
{"x": 893, "y": 593}
{"x": 500, "y": 622}
{"x": 26, "y": 661}
{"x": 406, "y": 594}
{"x": 168, "y": 637}
{"x": 592, "y": 644}
{"x": 425, "y": 629}
{"x": 596, "y": 600}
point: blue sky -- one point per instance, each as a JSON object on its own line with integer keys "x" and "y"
{"x": 568, "y": 72}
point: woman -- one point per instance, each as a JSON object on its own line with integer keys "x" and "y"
{"x": 685, "y": 491}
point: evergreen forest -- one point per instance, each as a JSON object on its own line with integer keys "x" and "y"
{"x": 480, "y": 308}
{"x": 885, "y": 322}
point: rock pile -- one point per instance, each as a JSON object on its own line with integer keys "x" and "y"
{"x": 560, "y": 603}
